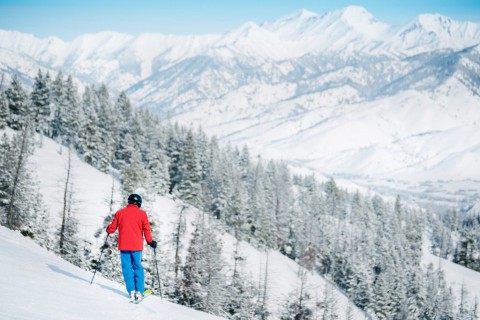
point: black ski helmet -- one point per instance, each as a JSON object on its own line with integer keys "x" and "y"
{"x": 135, "y": 199}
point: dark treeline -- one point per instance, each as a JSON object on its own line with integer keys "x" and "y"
{"x": 369, "y": 248}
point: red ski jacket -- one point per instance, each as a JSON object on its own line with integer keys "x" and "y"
{"x": 132, "y": 224}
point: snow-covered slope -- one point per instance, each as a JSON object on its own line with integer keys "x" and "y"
{"x": 456, "y": 275}
{"x": 340, "y": 92}
{"x": 36, "y": 284}
{"x": 92, "y": 191}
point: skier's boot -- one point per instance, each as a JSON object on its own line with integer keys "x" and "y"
{"x": 139, "y": 297}
{"x": 132, "y": 296}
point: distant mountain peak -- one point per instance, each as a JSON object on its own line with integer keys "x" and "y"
{"x": 357, "y": 16}
{"x": 303, "y": 14}
{"x": 435, "y": 18}
{"x": 356, "y": 12}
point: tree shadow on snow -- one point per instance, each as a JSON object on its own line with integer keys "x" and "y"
{"x": 71, "y": 275}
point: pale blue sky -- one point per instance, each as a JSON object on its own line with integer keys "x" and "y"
{"x": 68, "y": 19}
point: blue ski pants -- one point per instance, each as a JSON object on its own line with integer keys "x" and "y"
{"x": 132, "y": 270}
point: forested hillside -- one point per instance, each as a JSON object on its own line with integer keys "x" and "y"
{"x": 369, "y": 248}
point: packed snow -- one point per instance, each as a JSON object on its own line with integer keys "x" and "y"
{"x": 36, "y": 284}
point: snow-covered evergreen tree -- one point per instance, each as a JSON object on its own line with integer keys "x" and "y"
{"x": 90, "y": 141}
{"x": 40, "y": 98}
{"x": 189, "y": 187}
{"x": 4, "y": 109}
{"x": 328, "y": 305}
{"x": 134, "y": 175}
{"x": 158, "y": 168}
{"x": 74, "y": 115}
{"x": 297, "y": 303}
{"x": 59, "y": 105}
{"x": 107, "y": 129}
{"x": 18, "y": 104}
{"x": 17, "y": 177}
{"x": 203, "y": 282}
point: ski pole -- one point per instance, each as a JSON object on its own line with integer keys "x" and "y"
{"x": 158, "y": 277}
{"x": 99, "y": 259}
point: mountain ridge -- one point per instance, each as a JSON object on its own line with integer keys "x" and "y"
{"x": 285, "y": 87}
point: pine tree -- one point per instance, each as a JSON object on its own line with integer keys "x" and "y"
{"x": 21, "y": 206}
{"x": 328, "y": 306}
{"x": 17, "y": 100}
{"x": 38, "y": 224}
{"x": 6, "y": 164}
{"x": 125, "y": 151}
{"x": 465, "y": 312}
{"x": 203, "y": 282}
{"x": 296, "y": 304}
{"x": 107, "y": 130}
{"x": 74, "y": 115}
{"x": 125, "y": 141}
{"x": 40, "y": 98}
{"x": 241, "y": 293}
{"x": 361, "y": 286}
{"x": 90, "y": 141}
{"x": 262, "y": 220}
{"x": 158, "y": 168}
{"x": 19, "y": 176}
{"x": 382, "y": 298}
{"x": 190, "y": 187}
{"x": 134, "y": 176}
{"x": 124, "y": 109}
{"x": 174, "y": 148}
{"x": 240, "y": 298}
{"x": 332, "y": 197}
{"x": 4, "y": 110}
{"x": 59, "y": 105}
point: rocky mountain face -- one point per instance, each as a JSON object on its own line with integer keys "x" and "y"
{"x": 394, "y": 108}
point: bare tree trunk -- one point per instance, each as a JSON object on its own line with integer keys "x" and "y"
{"x": 65, "y": 202}
{"x": 264, "y": 315}
{"x": 236, "y": 258}
{"x": 177, "y": 243}
{"x": 112, "y": 192}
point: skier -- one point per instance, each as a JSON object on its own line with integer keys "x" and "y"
{"x": 132, "y": 224}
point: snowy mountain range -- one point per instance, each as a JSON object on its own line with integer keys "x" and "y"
{"x": 395, "y": 108}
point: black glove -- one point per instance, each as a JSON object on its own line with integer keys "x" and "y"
{"x": 153, "y": 244}
{"x": 105, "y": 246}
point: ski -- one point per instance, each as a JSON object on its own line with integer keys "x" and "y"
{"x": 146, "y": 294}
